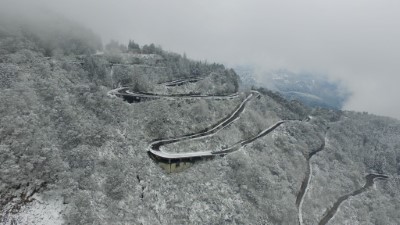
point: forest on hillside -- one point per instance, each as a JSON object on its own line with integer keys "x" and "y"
{"x": 72, "y": 151}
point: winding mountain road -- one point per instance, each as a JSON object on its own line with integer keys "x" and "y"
{"x": 369, "y": 182}
{"x": 126, "y": 94}
{"x": 155, "y": 146}
{"x": 156, "y": 151}
{"x": 180, "y": 82}
{"x": 306, "y": 181}
{"x": 306, "y": 184}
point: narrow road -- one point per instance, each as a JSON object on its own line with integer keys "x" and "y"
{"x": 306, "y": 179}
{"x": 155, "y": 151}
{"x": 136, "y": 65}
{"x": 332, "y": 211}
{"x": 245, "y": 142}
{"x": 180, "y": 82}
{"x": 154, "y": 147}
{"x": 125, "y": 93}
{"x": 306, "y": 182}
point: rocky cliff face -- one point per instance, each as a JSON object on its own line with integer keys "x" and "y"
{"x": 72, "y": 153}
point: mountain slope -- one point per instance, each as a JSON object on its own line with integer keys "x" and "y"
{"x": 65, "y": 143}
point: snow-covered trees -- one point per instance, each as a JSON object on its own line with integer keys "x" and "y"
{"x": 151, "y": 49}
{"x": 133, "y": 47}
{"x": 97, "y": 69}
{"x": 115, "y": 47}
{"x": 60, "y": 130}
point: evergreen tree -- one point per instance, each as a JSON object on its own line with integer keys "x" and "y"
{"x": 133, "y": 47}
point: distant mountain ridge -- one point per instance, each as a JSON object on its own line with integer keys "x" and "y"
{"x": 312, "y": 90}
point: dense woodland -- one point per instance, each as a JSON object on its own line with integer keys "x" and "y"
{"x": 62, "y": 135}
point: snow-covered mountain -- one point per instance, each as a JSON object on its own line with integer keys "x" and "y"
{"x": 179, "y": 143}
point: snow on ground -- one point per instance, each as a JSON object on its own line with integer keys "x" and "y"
{"x": 44, "y": 210}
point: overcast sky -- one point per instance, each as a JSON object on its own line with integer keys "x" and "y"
{"x": 356, "y": 41}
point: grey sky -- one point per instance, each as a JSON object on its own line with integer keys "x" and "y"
{"x": 356, "y": 41}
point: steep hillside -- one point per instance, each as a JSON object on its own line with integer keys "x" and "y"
{"x": 144, "y": 136}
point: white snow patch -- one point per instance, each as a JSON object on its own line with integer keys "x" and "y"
{"x": 42, "y": 211}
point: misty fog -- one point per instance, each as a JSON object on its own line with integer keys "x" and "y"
{"x": 199, "y": 112}
{"x": 355, "y": 41}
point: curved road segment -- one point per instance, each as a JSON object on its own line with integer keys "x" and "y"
{"x": 306, "y": 182}
{"x": 155, "y": 146}
{"x": 369, "y": 182}
{"x": 180, "y": 82}
{"x": 155, "y": 150}
{"x": 125, "y": 93}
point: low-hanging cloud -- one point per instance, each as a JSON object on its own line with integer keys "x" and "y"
{"x": 355, "y": 41}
